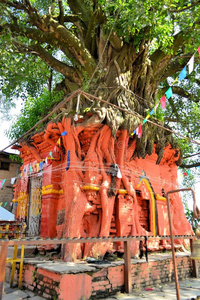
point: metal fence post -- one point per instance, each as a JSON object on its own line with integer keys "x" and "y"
{"x": 194, "y": 262}
{"x": 3, "y": 257}
{"x": 173, "y": 249}
{"x": 127, "y": 267}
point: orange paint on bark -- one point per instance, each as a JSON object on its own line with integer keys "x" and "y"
{"x": 89, "y": 155}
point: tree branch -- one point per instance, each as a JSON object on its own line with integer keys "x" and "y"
{"x": 74, "y": 45}
{"x": 176, "y": 65}
{"x": 191, "y": 155}
{"x": 57, "y": 35}
{"x": 161, "y": 59}
{"x": 32, "y": 12}
{"x": 50, "y": 60}
{"x": 78, "y": 7}
{"x": 61, "y": 15}
{"x": 14, "y": 4}
{"x": 183, "y": 93}
{"x": 184, "y": 8}
{"x": 174, "y": 110}
{"x": 189, "y": 166}
{"x": 54, "y": 63}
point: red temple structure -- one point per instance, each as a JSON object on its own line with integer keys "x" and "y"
{"x": 81, "y": 181}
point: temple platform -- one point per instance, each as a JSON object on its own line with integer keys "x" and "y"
{"x": 100, "y": 279}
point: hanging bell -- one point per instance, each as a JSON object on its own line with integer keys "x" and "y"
{"x": 196, "y": 250}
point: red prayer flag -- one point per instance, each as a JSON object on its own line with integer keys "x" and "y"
{"x": 140, "y": 131}
{"x": 199, "y": 51}
{"x": 163, "y": 101}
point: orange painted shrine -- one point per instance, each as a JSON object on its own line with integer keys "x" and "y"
{"x": 83, "y": 182}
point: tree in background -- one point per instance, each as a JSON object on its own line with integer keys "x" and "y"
{"x": 127, "y": 53}
{"x": 122, "y": 51}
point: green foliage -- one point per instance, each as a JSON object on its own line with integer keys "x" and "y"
{"x": 150, "y": 20}
{"x": 190, "y": 216}
{"x": 15, "y": 157}
{"x": 154, "y": 35}
{"x": 25, "y": 75}
{"x": 34, "y": 110}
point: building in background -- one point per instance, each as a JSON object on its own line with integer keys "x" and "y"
{"x": 9, "y": 171}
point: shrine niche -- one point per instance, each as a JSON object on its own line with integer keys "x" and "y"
{"x": 93, "y": 185}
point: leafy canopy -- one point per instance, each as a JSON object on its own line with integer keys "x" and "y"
{"x": 138, "y": 44}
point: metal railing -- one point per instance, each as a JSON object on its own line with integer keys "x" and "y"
{"x": 5, "y": 243}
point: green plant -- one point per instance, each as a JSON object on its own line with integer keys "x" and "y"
{"x": 15, "y": 158}
{"x": 190, "y": 216}
{"x": 34, "y": 110}
{"x": 33, "y": 276}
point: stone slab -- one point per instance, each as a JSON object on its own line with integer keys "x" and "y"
{"x": 66, "y": 268}
{"x": 37, "y": 298}
{"x": 16, "y": 295}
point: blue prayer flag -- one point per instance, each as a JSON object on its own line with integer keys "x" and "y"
{"x": 152, "y": 112}
{"x": 68, "y": 160}
{"x": 41, "y": 165}
{"x": 64, "y": 133}
{"x": 183, "y": 73}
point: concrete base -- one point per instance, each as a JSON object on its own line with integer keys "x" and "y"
{"x": 82, "y": 280}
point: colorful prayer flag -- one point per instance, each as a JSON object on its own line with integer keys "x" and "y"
{"x": 163, "y": 101}
{"x": 140, "y": 131}
{"x": 127, "y": 140}
{"x": 152, "y": 112}
{"x": 37, "y": 167}
{"x": 12, "y": 180}
{"x": 169, "y": 93}
{"x": 58, "y": 141}
{"x": 156, "y": 106}
{"x": 119, "y": 174}
{"x": 191, "y": 64}
{"x": 64, "y": 133}
{"x": 3, "y": 182}
{"x": 68, "y": 160}
{"x": 183, "y": 73}
{"x": 41, "y": 165}
{"x": 175, "y": 81}
{"x": 199, "y": 51}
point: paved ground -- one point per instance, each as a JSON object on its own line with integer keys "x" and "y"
{"x": 189, "y": 290}
{"x": 15, "y": 294}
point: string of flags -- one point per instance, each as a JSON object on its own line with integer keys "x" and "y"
{"x": 188, "y": 172}
{"x": 6, "y": 204}
{"x": 38, "y": 166}
{"x": 186, "y": 70}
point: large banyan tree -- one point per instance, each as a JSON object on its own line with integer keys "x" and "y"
{"x": 123, "y": 52}
{"x": 120, "y": 51}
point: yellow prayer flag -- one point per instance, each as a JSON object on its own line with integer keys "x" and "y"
{"x": 37, "y": 167}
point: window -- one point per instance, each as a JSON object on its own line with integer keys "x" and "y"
{"x": 4, "y": 165}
